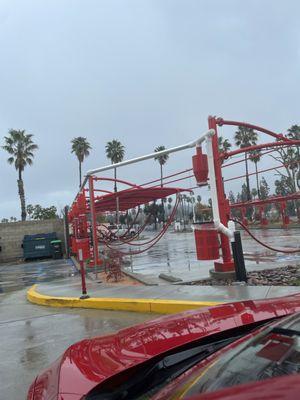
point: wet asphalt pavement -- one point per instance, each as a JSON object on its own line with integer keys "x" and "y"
{"x": 33, "y": 336}
{"x": 17, "y": 276}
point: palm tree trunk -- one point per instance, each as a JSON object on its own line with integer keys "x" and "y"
{"x": 79, "y": 173}
{"x": 247, "y": 178}
{"x": 22, "y": 196}
{"x": 115, "y": 173}
{"x": 257, "y": 183}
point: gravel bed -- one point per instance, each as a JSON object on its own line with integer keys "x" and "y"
{"x": 285, "y": 276}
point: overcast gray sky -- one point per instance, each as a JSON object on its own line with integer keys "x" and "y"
{"x": 146, "y": 72}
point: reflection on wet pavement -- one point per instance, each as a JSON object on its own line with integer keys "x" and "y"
{"x": 32, "y": 337}
{"x": 176, "y": 253}
{"x": 18, "y": 276}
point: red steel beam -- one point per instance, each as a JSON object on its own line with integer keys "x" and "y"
{"x": 272, "y": 199}
{"x": 279, "y": 136}
{"x": 258, "y": 147}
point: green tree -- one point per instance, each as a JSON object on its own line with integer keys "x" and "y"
{"x": 115, "y": 152}
{"x": 246, "y": 137}
{"x": 231, "y": 197}
{"x": 169, "y": 206}
{"x": 21, "y": 148}
{"x": 254, "y": 193}
{"x": 264, "y": 189}
{"x": 37, "y": 212}
{"x": 81, "y": 148}
{"x": 232, "y": 200}
{"x": 255, "y": 157}
{"x": 289, "y": 157}
{"x": 283, "y": 186}
{"x": 155, "y": 211}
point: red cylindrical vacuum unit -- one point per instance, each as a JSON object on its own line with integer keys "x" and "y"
{"x": 207, "y": 241}
{"x": 200, "y": 167}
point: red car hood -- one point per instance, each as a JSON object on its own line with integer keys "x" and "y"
{"x": 89, "y": 362}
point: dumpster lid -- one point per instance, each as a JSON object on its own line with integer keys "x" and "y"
{"x": 40, "y": 236}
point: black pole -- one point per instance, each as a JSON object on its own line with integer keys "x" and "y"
{"x": 238, "y": 256}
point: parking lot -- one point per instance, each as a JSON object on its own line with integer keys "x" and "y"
{"x": 35, "y": 336}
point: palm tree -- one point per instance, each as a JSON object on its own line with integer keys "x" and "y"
{"x": 81, "y": 148}
{"x": 224, "y": 144}
{"x": 255, "y": 156}
{"x": 246, "y": 137}
{"x": 20, "y": 146}
{"x": 115, "y": 152}
{"x": 162, "y": 159}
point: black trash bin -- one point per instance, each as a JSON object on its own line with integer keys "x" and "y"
{"x": 38, "y": 246}
{"x": 56, "y": 247}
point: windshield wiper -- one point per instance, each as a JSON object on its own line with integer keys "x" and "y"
{"x": 162, "y": 371}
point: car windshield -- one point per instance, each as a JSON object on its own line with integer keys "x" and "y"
{"x": 272, "y": 353}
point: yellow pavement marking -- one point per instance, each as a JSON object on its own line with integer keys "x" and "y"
{"x": 160, "y": 306}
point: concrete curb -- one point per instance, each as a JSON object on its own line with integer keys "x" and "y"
{"x": 139, "y": 278}
{"x": 159, "y": 306}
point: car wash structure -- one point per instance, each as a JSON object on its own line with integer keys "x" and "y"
{"x": 214, "y": 241}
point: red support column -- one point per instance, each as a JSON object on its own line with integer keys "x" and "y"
{"x": 263, "y": 219}
{"x": 285, "y": 217}
{"x": 93, "y": 221}
{"x": 224, "y": 209}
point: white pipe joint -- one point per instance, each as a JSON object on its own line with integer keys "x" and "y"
{"x": 229, "y": 232}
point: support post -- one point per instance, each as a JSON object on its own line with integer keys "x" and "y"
{"x": 238, "y": 256}
{"x": 93, "y": 222}
{"x": 82, "y": 272}
{"x": 227, "y": 265}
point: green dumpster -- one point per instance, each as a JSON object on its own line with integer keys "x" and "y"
{"x": 38, "y": 246}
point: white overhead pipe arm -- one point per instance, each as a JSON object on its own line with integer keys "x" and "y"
{"x": 152, "y": 155}
{"x": 194, "y": 143}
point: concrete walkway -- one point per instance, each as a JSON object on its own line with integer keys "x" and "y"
{"x": 159, "y": 299}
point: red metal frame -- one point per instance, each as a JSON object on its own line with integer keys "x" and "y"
{"x": 278, "y": 136}
{"x": 224, "y": 208}
{"x": 136, "y": 195}
{"x": 269, "y": 200}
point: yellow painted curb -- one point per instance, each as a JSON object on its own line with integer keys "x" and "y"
{"x": 139, "y": 305}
